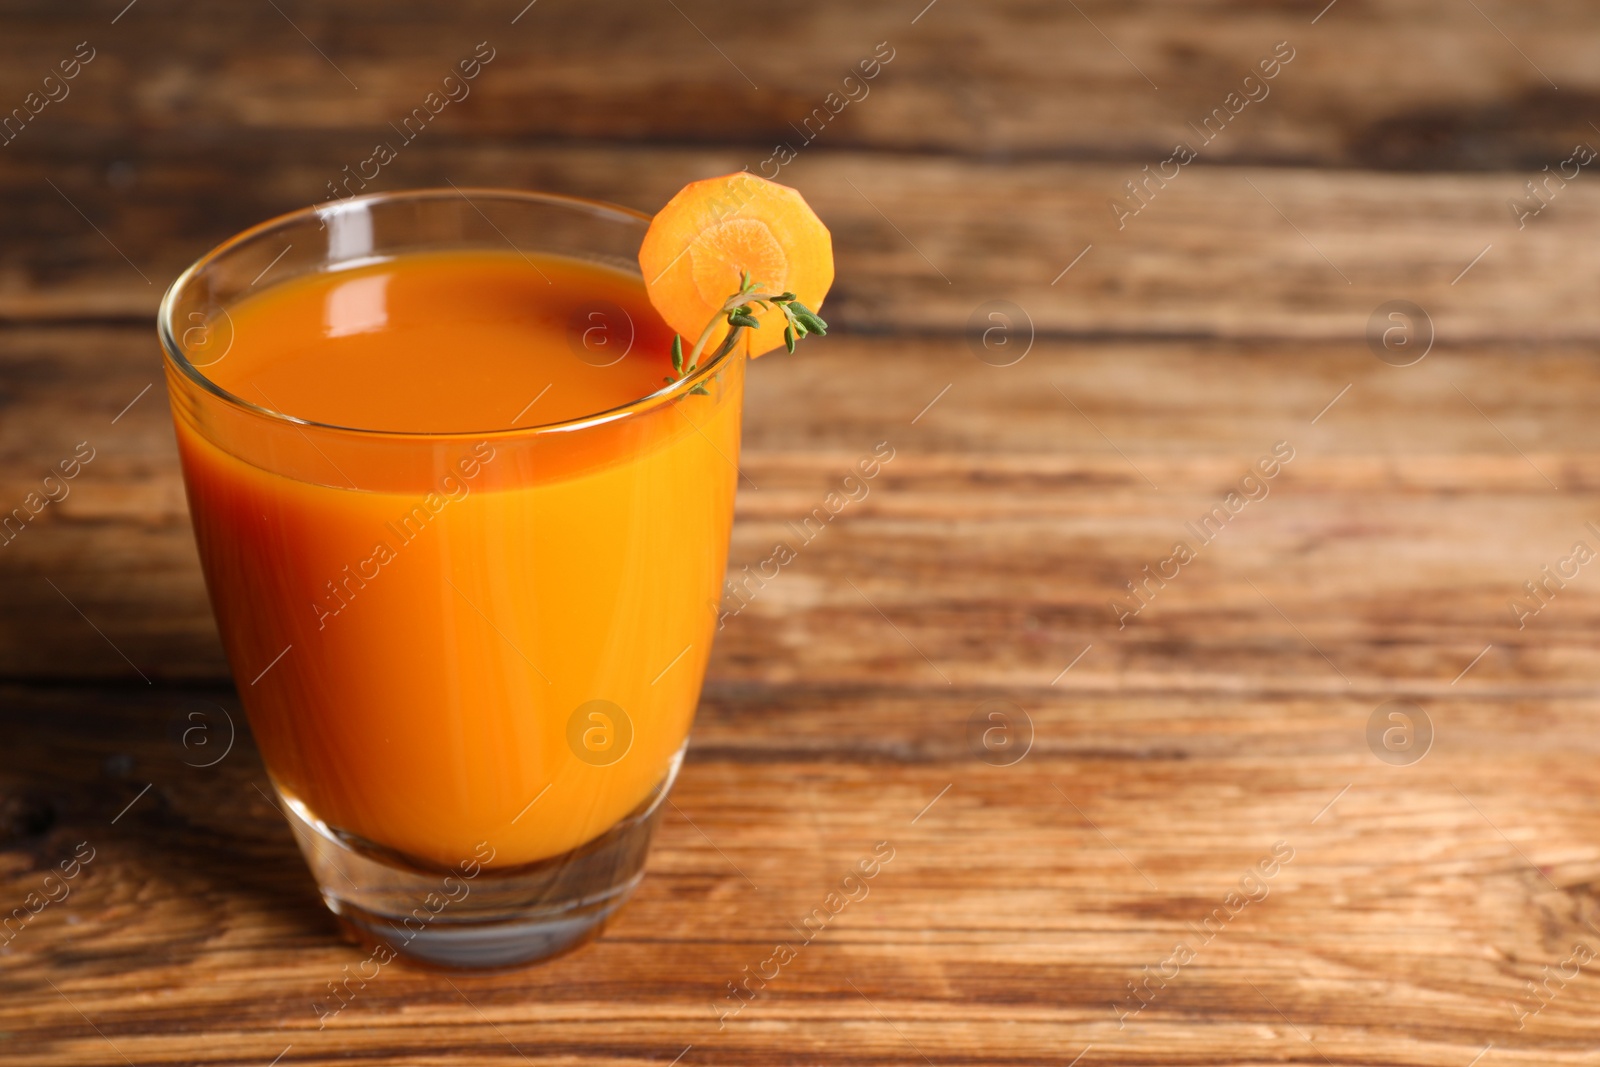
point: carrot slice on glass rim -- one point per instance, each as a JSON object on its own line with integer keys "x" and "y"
{"x": 737, "y": 252}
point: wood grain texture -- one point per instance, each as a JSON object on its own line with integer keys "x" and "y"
{"x": 1172, "y": 749}
{"x": 1441, "y": 87}
{"x": 1417, "y": 903}
{"x": 922, "y": 242}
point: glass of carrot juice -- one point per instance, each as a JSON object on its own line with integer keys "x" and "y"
{"x": 464, "y": 548}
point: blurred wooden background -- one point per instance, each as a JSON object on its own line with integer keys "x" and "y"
{"x": 1432, "y": 909}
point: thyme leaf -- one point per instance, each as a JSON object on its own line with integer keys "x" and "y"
{"x": 799, "y": 322}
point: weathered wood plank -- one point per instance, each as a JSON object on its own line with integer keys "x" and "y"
{"x": 997, "y": 539}
{"x": 922, "y": 243}
{"x": 1440, "y": 89}
{"x": 1172, "y": 748}
{"x": 1016, "y": 908}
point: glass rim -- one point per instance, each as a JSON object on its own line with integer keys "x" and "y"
{"x": 174, "y": 353}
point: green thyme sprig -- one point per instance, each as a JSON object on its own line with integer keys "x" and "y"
{"x": 739, "y": 313}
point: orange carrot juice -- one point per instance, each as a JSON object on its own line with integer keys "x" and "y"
{"x": 469, "y": 598}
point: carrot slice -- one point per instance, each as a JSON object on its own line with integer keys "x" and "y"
{"x": 708, "y": 237}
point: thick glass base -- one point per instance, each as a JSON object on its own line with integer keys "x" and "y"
{"x": 470, "y": 916}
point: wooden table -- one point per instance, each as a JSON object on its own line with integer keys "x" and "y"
{"x": 1203, "y": 773}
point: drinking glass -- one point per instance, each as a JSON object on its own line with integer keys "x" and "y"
{"x": 473, "y": 737}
